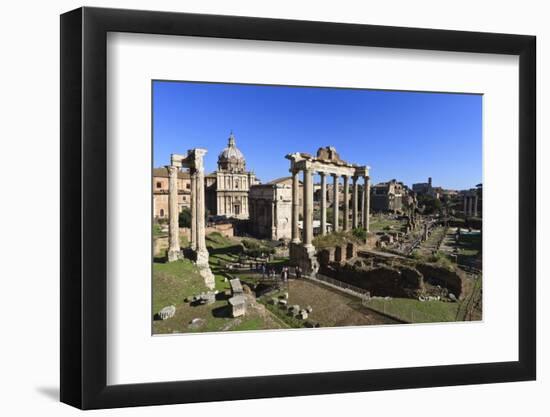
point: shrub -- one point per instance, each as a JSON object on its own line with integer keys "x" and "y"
{"x": 442, "y": 260}
{"x": 255, "y": 249}
{"x": 359, "y": 233}
{"x": 416, "y": 255}
{"x": 184, "y": 218}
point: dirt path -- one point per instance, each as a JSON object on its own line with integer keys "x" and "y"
{"x": 332, "y": 308}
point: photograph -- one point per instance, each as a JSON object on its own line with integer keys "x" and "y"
{"x": 298, "y": 207}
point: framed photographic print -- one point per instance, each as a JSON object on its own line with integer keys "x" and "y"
{"x": 258, "y": 207}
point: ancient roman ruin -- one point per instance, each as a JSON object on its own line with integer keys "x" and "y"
{"x": 194, "y": 161}
{"x": 326, "y": 162}
{"x": 470, "y": 203}
{"x": 310, "y": 233}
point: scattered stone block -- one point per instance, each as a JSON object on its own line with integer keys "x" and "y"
{"x": 167, "y": 312}
{"x": 238, "y": 305}
{"x": 206, "y": 298}
{"x": 196, "y": 323}
{"x": 303, "y": 315}
{"x": 283, "y": 302}
{"x": 236, "y": 286}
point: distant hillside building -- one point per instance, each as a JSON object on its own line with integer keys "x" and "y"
{"x": 270, "y": 208}
{"x": 423, "y": 187}
{"x": 161, "y": 188}
{"x": 387, "y": 196}
{"x": 426, "y": 188}
{"x": 227, "y": 188}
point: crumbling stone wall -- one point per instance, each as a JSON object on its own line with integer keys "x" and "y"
{"x": 380, "y": 280}
{"x": 454, "y": 280}
{"x": 305, "y": 258}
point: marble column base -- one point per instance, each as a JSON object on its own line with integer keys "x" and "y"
{"x": 174, "y": 255}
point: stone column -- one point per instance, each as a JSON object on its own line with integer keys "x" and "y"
{"x": 346, "y": 203}
{"x": 174, "y": 244}
{"x": 202, "y": 252}
{"x": 273, "y": 220}
{"x": 295, "y": 206}
{"x": 475, "y": 205}
{"x": 366, "y": 203}
{"x": 193, "y": 230}
{"x": 335, "y": 203}
{"x": 355, "y": 197}
{"x": 465, "y": 206}
{"x": 470, "y": 206}
{"x": 308, "y": 207}
{"x": 323, "y": 203}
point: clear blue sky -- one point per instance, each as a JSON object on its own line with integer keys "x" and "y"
{"x": 404, "y": 135}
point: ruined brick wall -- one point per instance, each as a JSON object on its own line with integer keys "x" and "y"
{"x": 381, "y": 280}
{"x": 454, "y": 281}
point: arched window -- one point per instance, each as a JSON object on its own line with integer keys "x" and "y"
{"x": 159, "y": 184}
{"x": 237, "y": 182}
{"x": 161, "y": 213}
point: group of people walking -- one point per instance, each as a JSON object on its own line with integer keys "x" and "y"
{"x": 269, "y": 271}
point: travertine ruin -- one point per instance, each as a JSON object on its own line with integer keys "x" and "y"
{"x": 270, "y": 209}
{"x": 327, "y": 162}
{"x": 195, "y": 163}
{"x": 470, "y": 203}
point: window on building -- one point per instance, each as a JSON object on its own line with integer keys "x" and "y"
{"x": 188, "y": 186}
{"x": 159, "y": 184}
{"x": 161, "y": 213}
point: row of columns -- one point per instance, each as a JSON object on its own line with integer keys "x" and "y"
{"x": 194, "y": 161}
{"x": 470, "y": 205}
{"x": 308, "y": 204}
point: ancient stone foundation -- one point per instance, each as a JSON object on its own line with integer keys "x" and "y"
{"x": 455, "y": 281}
{"x": 305, "y": 258}
{"x": 395, "y": 278}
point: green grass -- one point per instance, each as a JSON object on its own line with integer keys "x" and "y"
{"x": 252, "y": 324}
{"x": 414, "y": 311}
{"x": 333, "y": 239}
{"x": 378, "y": 224}
{"x": 174, "y": 281}
{"x": 157, "y": 231}
{"x": 216, "y": 240}
{"x": 184, "y": 242}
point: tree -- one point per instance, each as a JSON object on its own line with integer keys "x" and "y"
{"x": 431, "y": 204}
{"x": 184, "y": 218}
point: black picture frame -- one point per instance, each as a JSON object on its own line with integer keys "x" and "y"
{"x": 84, "y": 207}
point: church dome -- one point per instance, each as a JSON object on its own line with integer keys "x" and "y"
{"x": 231, "y": 158}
